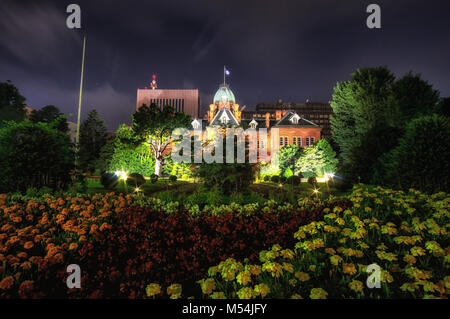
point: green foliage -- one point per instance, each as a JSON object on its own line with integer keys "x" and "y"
{"x": 34, "y": 155}
{"x": 272, "y": 168}
{"x": 50, "y": 114}
{"x": 414, "y": 96}
{"x": 288, "y": 155}
{"x": 293, "y": 180}
{"x": 328, "y": 155}
{"x": 154, "y": 178}
{"x": 283, "y": 179}
{"x": 154, "y": 125}
{"x": 275, "y": 179}
{"x": 12, "y": 103}
{"x": 180, "y": 170}
{"x": 421, "y": 158}
{"x": 135, "y": 180}
{"x": 172, "y": 178}
{"x": 267, "y": 178}
{"x": 311, "y": 163}
{"x": 359, "y": 105}
{"x": 129, "y": 154}
{"x": 92, "y": 138}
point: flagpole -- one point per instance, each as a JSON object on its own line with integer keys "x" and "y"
{"x": 224, "y": 83}
{"x": 77, "y": 138}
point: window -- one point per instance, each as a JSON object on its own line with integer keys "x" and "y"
{"x": 286, "y": 140}
{"x": 307, "y": 141}
{"x": 294, "y": 140}
{"x": 312, "y": 140}
{"x": 281, "y": 140}
{"x": 299, "y": 141}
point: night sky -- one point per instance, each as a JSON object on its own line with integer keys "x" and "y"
{"x": 290, "y": 50}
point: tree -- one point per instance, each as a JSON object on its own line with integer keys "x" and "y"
{"x": 421, "y": 158}
{"x": 414, "y": 96}
{"x": 34, "y": 155}
{"x": 154, "y": 126}
{"x": 288, "y": 155}
{"x": 50, "y": 114}
{"x": 359, "y": 105}
{"x": 130, "y": 155}
{"x": 92, "y": 138}
{"x": 311, "y": 162}
{"x": 443, "y": 107}
{"x": 328, "y": 156}
{"x": 12, "y": 103}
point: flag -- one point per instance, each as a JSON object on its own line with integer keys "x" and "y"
{"x": 226, "y": 71}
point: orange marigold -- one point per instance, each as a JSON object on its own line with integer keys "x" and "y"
{"x": 7, "y": 283}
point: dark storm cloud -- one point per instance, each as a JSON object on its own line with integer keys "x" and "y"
{"x": 292, "y": 50}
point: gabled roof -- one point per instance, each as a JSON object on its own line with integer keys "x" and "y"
{"x": 286, "y": 121}
{"x": 224, "y": 113}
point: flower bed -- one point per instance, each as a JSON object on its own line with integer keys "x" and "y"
{"x": 120, "y": 247}
{"x": 405, "y": 234}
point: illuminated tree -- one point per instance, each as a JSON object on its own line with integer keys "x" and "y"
{"x": 154, "y": 126}
{"x": 311, "y": 162}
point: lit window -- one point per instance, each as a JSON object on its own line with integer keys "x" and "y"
{"x": 286, "y": 140}
{"x": 281, "y": 140}
{"x": 299, "y": 141}
{"x": 294, "y": 140}
{"x": 307, "y": 141}
{"x": 312, "y": 140}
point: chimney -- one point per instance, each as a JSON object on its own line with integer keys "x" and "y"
{"x": 267, "y": 119}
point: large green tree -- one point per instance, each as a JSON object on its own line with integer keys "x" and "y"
{"x": 154, "y": 126}
{"x": 414, "y": 96}
{"x": 50, "y": 114}
{"x": 34, "y": 155}
{"x": 311, "y": 162}
{"x": 12, "y": 103}
{"x": 421, "y": 158}
{"x": 93, "y": 134}
{"x": 359, "y": 105}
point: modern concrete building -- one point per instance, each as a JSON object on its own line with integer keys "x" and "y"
{"x": 183, "y": 100}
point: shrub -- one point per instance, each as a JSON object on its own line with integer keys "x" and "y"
{"x": 275, "y": 179}
{"x": 283, "y": 179}
{"x": 34, "y": 155}
{"x": 154, "y": 178}
{"x": 172, "y": 178}
{"x": 267, "y": 178}
{"x": 109, "y": 180}
{"x": 135, "y": 180}
{"x": 293, "y": 180}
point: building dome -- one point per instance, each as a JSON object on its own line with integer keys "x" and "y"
{"x": 224, "y": 94}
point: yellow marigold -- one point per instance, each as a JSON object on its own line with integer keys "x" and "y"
{"x": 153, "y": 289}
{"x": 335, "y": 259}
{"x": 417, "y": 251}
{"x": 349, "y": 268}
{"x": 318, "y": 293}
{"x": 312, "y": 268}
{"x": 207, "y": 285}
{"x": 262, "y": 290}
{"x": 6, "y": 283}
{"x": 244, "y": 277}
{"x": 274, "y": 268}
{"x": 302, "y": 276}
{"x": 411, "y": 287}
{"x": 288, "y": 267}
{"x": 330, "y": 251}
{"x": 356, "y": 286}
{"x": 287, "y": 253}
{"x": 246, "y": 293}
{"x": 409, "y": 259}
{"x": 255, "y": 270}
{"x": 296, "y": 296}
{"x": 218, "y": 295}
{"x": 386, "y": 277}
{"x": 174, "y": 290}
{"x": 73, "y": 246}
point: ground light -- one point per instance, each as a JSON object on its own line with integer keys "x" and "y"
{"x": 316, "y": 191}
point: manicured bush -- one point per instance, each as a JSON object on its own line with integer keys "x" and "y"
{"x": 135, "y": 180}
{"x": 172, "y": 178}
{"x": 283, "y": 179}
{"x": 275, "y": 179}
{"x": 293, "y": 180}
{"x": 109, "y": 180}
{"x": 154, "y": 178}
{"x": 267, "y": 178}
